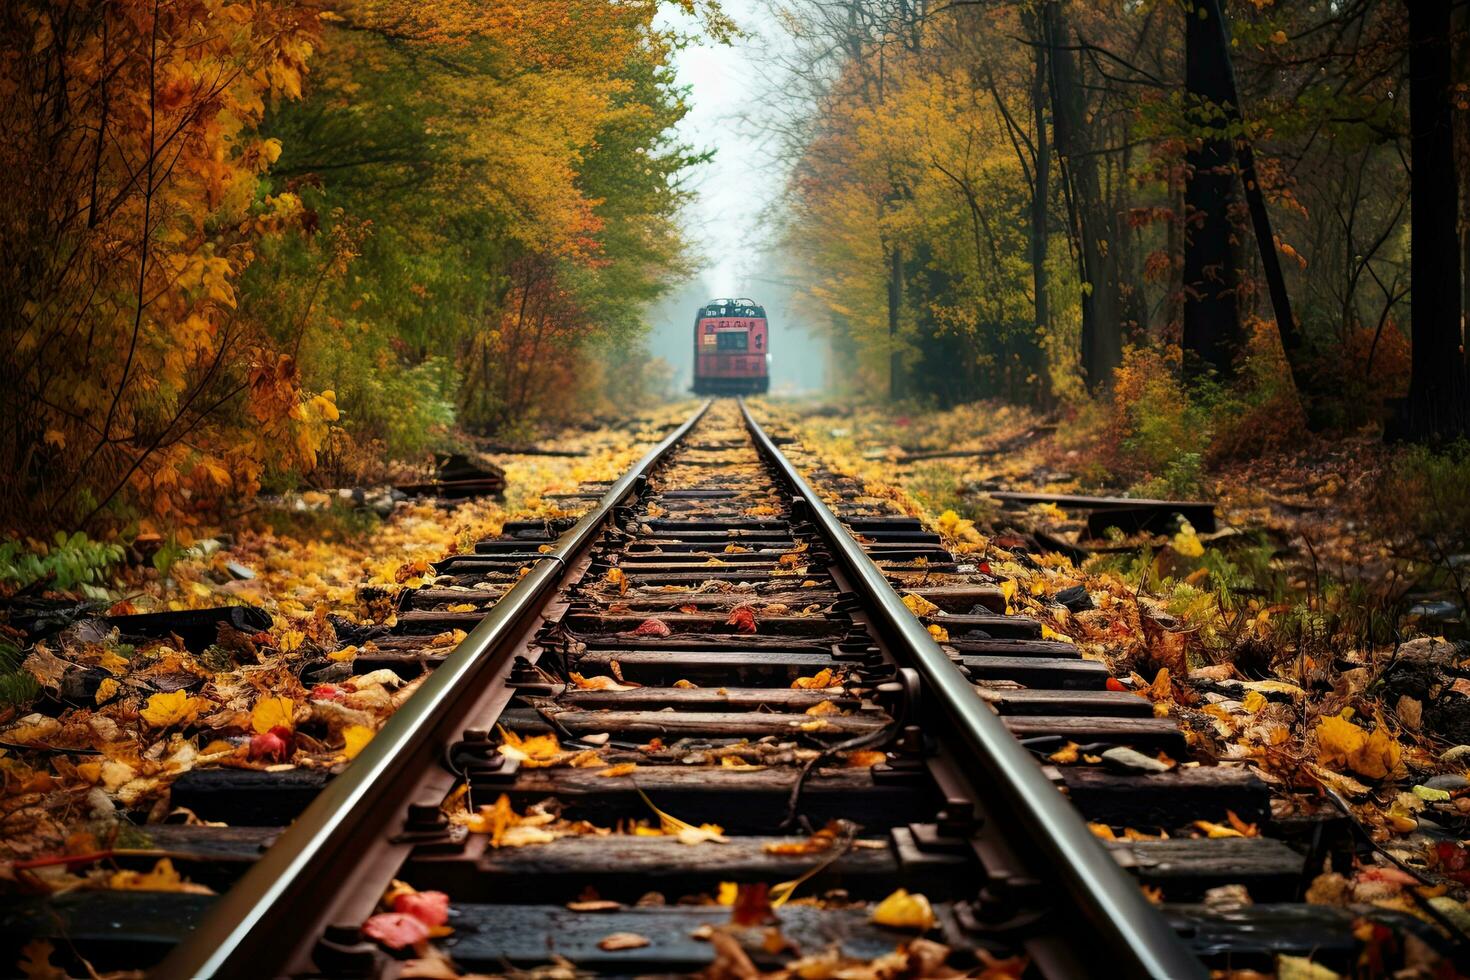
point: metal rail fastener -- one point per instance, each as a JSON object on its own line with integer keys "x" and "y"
{"x": 1130, "y": 937}
{"x": 255, "y": 929}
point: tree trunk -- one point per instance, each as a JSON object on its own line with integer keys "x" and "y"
{"x": 895, "y": 308}
{"x": 1035, "y": 354}
{"x": 1436, "y": 407}
{"x": 1102, "y": 334}
{"x": 1286, "y": 325}
{"x": 1212, "y": 333}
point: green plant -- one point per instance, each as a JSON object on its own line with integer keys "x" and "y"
{"x": 17, "y": 686}
{"x": 65, "y": 564}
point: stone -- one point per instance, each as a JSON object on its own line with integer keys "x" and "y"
{"x": 1459, "y": 753}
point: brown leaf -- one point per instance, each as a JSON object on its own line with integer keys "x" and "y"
{"x": 623, "y": 940}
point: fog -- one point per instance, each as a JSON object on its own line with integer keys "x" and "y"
{"x": 729, "y": 220}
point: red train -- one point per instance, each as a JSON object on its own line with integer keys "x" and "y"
{"x": 731, "y": 353}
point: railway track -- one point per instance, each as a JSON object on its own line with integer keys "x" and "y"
{"x": 715, "y": 643}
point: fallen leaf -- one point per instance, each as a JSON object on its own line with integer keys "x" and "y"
{"x": 905, "y": 910}
{"x": 652, "y": 626}
{"x": 594, "y": 905}
{"x": 396, "y": 930}
{"x": 431, "y": 908}
{"x": 163, "y": 878}
{"x": 623, "y": 940}
{"x": 918, "y": 605}
{"x": 621, "y": 769}
{"x": 355, "y": 738}
{"x": 742, "y": 617}
{"x": 1341, "y": 743}
{"x": 173, "y": 708}
{"x": 272, "y": 712}
{"x": 819, "y": 681}
{"x": 686, "y": 832}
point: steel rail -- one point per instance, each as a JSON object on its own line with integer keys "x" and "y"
{"x": 252, "y": 930}
{"x": 1133, "y": 940}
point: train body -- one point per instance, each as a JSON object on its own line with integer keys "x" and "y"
{"x": 731, "y": 348}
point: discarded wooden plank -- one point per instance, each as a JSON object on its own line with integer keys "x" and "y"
{"x": 1135, "y": 513}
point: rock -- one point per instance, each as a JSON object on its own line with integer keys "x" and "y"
{"x": 1431, "y": 650}
{"x": 1449, "y": 781}
{"x": 239, "y": 571}
{"x": 1459, "y": 753}
{"x": 1076, "y": 599}
{"x": 1127, "y": 758}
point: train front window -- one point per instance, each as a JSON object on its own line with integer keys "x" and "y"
{"x": 730, "y": 340}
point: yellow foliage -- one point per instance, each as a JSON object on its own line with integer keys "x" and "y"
{"x": 173, "y": 708}
{"x": 1340, "y": 744}
{"x": 905, "y": 910}
{"x": 272, "y": 712}
{"x": 355, "y": 738}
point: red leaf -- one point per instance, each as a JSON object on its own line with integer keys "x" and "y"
{"x": 1114, "y": 684}
{"x": 396, "y": 930}
{"x": 271, "y": 746}
{"x": 742, "y": 617}
{"x": 430, "y": 908}
{"x": 652, "y": 626}
{"x": 752, "y": 905}
{"x": 326, "y": 692}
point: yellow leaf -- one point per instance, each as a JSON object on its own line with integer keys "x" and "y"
{"x": 1254, "y": 701}
{"x": 344, "y": 655}
{"x": 106, "y": 690}
{"x": 621, "y": 769}
{"x": 1215, "y": 830}
{"x": 173, "y": 708}
{"x": 822, "y": 679}
{"x": 824, "y": 708}
{"x": 903, "y": 910}
{"x": 163, "y": 878}
{"x": 1102, "y": 830}
{"x": 728, "y": 891}
{"x": 1047, "y": 633}
{"x": 354, "y": 739}
{"x": 1341, "y": 743}
{"x": 532, "y": 752}
{"x": 918, "y": 605}
{"x": 272, "y": 711}
{"x": 1064, "y": 756}
{"x": 940, "y": 634}
{"x": 55, "y": 437}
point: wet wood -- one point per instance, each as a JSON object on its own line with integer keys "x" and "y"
{"x": 707, "y": 667}
{"x": 248, "y": 797}
{"x": 1117, "y": 704}
{"x": 623, "y": 868}
{"x": 704, "y": 699}
{"x": 1170, "y": 799}
{"x": 1148, "y": 735}
{"x": 1185, "y": 868}
{"x": 669, "y": 725}
{"x": 741, "y": 802}
{"x": 1043, "y": 672}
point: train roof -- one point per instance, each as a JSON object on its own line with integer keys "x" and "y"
{"x": 739, "y": 306}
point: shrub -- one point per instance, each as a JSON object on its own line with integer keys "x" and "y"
{"x": 1156, "y": 437}
{"x": 64, "y": 564}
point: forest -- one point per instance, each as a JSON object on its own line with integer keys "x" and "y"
{"x": 279, "y": 244}
{"x": 373, "y": 604}
{"x": 1050, "y": 202}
